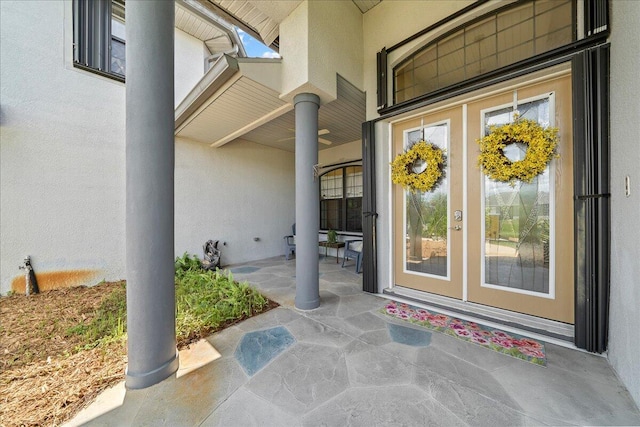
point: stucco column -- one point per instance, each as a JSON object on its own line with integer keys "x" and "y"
{"x": 307, "y": 202}
{"x": 149, "y": 213}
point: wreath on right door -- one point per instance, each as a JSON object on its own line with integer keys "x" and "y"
{"x": 541, "y": 149}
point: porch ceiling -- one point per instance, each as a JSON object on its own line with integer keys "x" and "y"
{"x": 240, "y": 98}
{"x": 339, "y": 122}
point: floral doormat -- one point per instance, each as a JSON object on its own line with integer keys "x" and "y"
{"x": 510, "y": 344}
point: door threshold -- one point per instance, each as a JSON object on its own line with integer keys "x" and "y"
{"x": 544, "y": 329}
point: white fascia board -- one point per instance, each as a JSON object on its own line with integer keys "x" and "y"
{"x": 220, "y": 73}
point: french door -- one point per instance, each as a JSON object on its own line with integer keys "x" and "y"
{"x": 517, "y": 239}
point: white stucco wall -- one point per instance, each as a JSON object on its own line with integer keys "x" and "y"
{"x": 624, "y": 338}
{"x": 61, "y": 151}
{"x": 232, "y": 194}
{"x": 62, "y": 163}
{"x": 188, "y": 69}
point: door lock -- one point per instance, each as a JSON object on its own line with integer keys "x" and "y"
{"x": 457, "y": 215}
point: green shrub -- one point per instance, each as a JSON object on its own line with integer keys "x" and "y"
{"x": 186, "y": 263}
{"x": 207, "y": 300}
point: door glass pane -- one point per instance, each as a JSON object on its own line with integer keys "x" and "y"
{"x": 426, "y": 216}
{"x": 517, "y": 220}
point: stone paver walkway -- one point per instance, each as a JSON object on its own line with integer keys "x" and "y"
{"x": 345, "y": 364}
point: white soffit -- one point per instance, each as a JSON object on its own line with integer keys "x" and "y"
{"x": 215, "y": 38}
{"x": 339, "y": 122}
{"x": 231, "y": 100}
{"x": 263, "y": 16}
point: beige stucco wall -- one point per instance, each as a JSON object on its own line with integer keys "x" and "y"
{"x": 341, "y": 153}
{"x": 294, "y": 48}
{"x": 624, "y": 338}
{"x": 339, "y": 50}
{"x": 318, "y": 41}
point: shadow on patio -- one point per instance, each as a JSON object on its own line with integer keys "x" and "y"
{"x": 339, "y": 365}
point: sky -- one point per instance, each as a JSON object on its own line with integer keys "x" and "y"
{"x": 254, "y": 48}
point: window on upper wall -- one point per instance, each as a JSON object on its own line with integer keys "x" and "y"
{"x": 501, "y": 38}
{"x": 341, "y": 199}
{"x": 99, "y": 37}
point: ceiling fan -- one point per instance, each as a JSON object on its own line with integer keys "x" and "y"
{"x": 320, "y": 133}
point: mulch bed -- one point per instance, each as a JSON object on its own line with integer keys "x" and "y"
{"x": 44, "y": 378}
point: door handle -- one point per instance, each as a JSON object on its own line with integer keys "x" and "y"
{"x": 457, "y": 228}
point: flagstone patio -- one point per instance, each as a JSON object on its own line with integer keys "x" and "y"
{"x": 345, "y": 363}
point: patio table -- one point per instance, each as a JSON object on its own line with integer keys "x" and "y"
{"x": 335, "y": 246}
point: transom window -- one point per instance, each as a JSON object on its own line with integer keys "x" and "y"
{"x": 341, "y": 199}
{"x": 498, "y": 39}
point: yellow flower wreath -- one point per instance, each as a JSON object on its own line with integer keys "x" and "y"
{"x": 541, "y": 148}
{"x": 401, "y": 168}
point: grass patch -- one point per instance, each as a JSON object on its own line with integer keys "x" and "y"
{"x": 206, "y": 301}
{"x": 108, "y": 324}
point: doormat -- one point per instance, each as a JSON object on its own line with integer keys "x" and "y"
{"x": 513, "y": 345}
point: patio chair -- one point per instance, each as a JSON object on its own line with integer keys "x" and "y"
{"x": 353, "y": 249}
{"x": 290, "y": 243}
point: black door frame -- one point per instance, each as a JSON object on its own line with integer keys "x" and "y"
{"x": 589, "y": 59}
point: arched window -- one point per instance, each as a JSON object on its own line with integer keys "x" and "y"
{"x": 341, "y": 199}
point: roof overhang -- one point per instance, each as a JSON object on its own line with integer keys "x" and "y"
{"x": 217, "y": 35}
{"x": 233, "y": 98}
{"x": 262, "y": 18}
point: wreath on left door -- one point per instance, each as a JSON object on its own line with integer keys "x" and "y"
{"x": 404, "y": 167}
